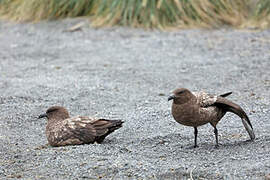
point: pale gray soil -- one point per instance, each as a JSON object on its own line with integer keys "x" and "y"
{"x": 127, "y": 74}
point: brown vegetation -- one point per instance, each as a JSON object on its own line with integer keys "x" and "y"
{"x": 161, "y": 14}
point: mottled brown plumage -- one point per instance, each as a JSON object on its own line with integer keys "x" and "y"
{"x": 62, "y": 130}
{"x": 199, "y": 108}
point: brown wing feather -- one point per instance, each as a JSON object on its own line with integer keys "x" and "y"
{"x": 226, "y": 94}
{"x": 62, "y": 138}
{"x": 204, "y": 99}
{"x": 227, "y": 105}
{"x": 105, "y": 127}
{"x": 84, "y": 132}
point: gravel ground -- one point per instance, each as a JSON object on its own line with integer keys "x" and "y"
{"x": 127, "y": 74}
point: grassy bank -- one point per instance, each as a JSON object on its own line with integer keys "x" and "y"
{"x": 162, "y": 14}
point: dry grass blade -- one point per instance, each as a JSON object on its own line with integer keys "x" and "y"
{"x": 190, "y": 174}
{"x": 76, "y": 27}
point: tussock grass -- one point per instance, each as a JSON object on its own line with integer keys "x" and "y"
{"x": 170, "y": 13}
{"x": 263, "y": 8}
{"x": 161, "y": 14}
{"x": 36, "y": 10}
{"x": 261, "y": 18}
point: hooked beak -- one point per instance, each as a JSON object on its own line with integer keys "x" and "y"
{"x": 42, "y": 116}
{"x": 171, "y": 97}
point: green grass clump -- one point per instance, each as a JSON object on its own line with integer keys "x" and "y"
{"x": 169, "y": 13}
{"x": 261, "y": 17}
{"x": 4, "y": 5}
{"x": 263, "y": 8}
{"x": 36, "y": 10}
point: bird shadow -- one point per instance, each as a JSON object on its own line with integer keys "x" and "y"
{"x": 187, "y": 143}
{"x": 224, "y": 145}
{"x": 111, "y": 141}
{"x": 236, "y": 143}
{"x": 47, "y": 146}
